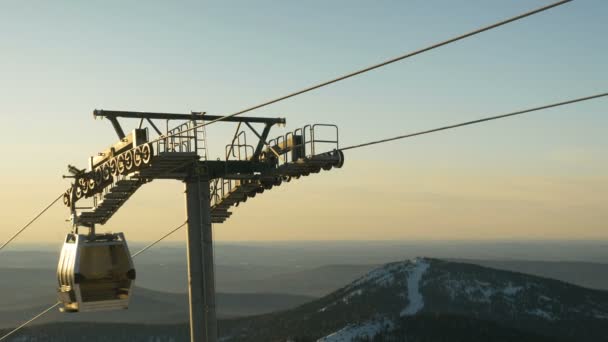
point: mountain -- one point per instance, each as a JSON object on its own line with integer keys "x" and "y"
{"x": 320, "y": 281}
{"x": 414, "y": 298}
{"x": 587, "y": 274}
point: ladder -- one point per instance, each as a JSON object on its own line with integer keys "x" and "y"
{"x": 200, "y": 139}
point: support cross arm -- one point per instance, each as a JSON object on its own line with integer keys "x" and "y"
{"x": 229, "y": 168}
{"x": 192, "y": 116}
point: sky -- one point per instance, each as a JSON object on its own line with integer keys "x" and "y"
{"x": 539, "y": 176}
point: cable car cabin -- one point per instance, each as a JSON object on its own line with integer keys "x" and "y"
{"x": 95, "y": 273}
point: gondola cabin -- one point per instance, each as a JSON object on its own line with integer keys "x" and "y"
{"x": 95, "y": 273}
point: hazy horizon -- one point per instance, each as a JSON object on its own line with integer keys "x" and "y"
{"x": 318, "y": 253}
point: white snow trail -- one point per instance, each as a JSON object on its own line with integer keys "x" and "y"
{"x": 416, "y": 301}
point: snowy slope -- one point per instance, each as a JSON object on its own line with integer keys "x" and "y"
{"x": 388, "y": 299}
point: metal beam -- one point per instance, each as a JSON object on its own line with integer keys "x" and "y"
{"x": 193, "y": 116}
{"x": 223, "y": 168}
{"x": 261, "y": 142}
{"x": 154, "y": 126}
{"x": 201, "y": 279}
{"x": 117, "y": 128}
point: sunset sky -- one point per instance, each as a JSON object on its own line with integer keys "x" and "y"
{"x": 539, "y": 176}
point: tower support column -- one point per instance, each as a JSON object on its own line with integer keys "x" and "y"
{"x": 201, "y": 278}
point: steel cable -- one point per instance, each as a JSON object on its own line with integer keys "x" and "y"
{"x": 581, "y": 99}
{"x": 30, "y": 222}
{"x": 376, "y": 66}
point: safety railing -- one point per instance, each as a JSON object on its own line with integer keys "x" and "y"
{"x": 239, "y": 149}
{"x": 179, "y": 139}
{"x": 308, "y": 141}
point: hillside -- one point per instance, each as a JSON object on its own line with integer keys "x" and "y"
{"x": 587, "y": 274}
{"x": 154, "y": 307}
{"x": 408, "y": 296}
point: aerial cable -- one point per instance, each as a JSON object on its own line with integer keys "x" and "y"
{"x": 159, "y": 240}
{"x": 581, "y": 99}
{"x": 30, "y": 222}
{"x": 376, "y": 66}
{"x": 45, "y": 311}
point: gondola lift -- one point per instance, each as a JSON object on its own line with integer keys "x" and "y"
{"x": 95, "y": 272}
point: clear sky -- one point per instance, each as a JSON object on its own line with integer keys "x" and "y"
{"x": 542, "y": 176}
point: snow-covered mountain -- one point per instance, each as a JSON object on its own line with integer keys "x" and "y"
{"x": 404, "y": 301}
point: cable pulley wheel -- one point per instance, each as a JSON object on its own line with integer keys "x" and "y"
{"x": 78, "y": 192}
{"x": 340, "y": 163}
{"x": 112, "y": 166}
{"x": 98, "y": 176}
{"x": 137, "y": 159}
{"x": 106, "y": 172}
{"x": 66, "y": 199}
{"x": 120, "y": 164}
{"x": 91, "y": 184}
{"x": 128, "y": 160}
{"x": 83, "y": 186}
{"x": 146, "y": 154}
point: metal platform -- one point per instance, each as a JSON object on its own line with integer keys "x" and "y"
{"x": 166, "y": 165}
{"x": 169, "y": 165}
{"x": 296, "y": 154}
{"x": 111, "y": 200}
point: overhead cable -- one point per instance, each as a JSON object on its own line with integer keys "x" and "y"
{"x": 44, "y": 312}
{"x": 30, "y": 222}
{"x": 376, "y": 66}
{"x": 159, "y": 240}
{"x": 580, "y": 99}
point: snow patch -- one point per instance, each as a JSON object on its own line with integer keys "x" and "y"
{"x": 480, "y": 291}
{"x": 346, "y": 299}
{"x": 352, "y": 331}
{"x": 511, "y": 290}
{"x": 599, "y": 315}
{"x": 415, "y": 298}
{"x": 381, "y": 276}
{"x": 542, "y": 314}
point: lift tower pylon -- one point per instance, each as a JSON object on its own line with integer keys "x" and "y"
{"x": 201, "y": 277}
{"x": 212, "y": 187}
